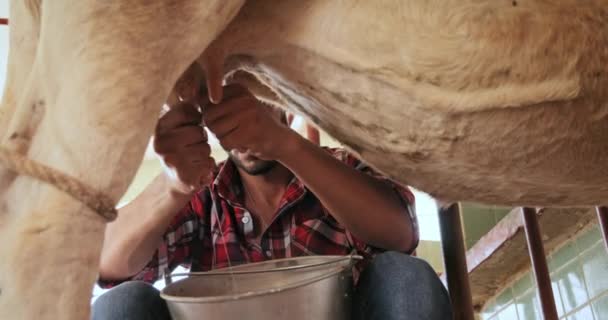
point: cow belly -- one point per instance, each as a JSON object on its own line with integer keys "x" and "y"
{"x": 467, "y": 100}
{"x": 549, "y": 153}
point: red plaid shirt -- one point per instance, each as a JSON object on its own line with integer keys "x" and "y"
{"x": 301, "y": 226}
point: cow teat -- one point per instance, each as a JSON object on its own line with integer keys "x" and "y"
{"x": 213, "y": 65}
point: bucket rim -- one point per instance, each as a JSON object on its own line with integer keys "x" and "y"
{"x": 250, "y": 294}
{"x": 332, "y": 259}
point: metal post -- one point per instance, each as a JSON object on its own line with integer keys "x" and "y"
{"x": 539, "y": 263}
{"x": 602, "y": 215}
{"x": 454, "y": 257}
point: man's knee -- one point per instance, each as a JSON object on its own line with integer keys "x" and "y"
{"x": 397, "y": 286}
{"x": 131, "y": 300}
{"x": 395, "y": 264}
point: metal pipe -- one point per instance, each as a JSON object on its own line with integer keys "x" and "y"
{"x": 539, "y": 263}
{"x": 4, "y": 21}
{"x": 455, "y": 262}
{"x": 602, "y": 215}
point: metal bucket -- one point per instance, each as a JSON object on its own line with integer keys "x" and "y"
{"x": 313, "y": 287}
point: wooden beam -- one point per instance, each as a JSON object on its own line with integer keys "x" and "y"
{"x": 506, "y": 241}
{"x": 602, "y": 215}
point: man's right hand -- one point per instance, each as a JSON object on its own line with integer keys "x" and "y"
{"x": 134, "y": 237}
{"x": 181, "y": 143}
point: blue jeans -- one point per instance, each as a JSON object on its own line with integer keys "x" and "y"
{"x": 394, "y": 286}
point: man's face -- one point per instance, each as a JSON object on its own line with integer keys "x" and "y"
{"x": 251, "y": 164}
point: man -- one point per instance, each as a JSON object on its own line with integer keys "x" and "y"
{"x": 274, "y": 184}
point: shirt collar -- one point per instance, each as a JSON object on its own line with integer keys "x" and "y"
{"x": 227, "y": 184}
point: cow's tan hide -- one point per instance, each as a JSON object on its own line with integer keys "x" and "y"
{"x": 85, "y": 85}
{"x": 495, "y": 101}
{"x": 501, "y": 102}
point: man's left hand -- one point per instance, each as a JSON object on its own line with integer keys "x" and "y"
{"x": 242, "y": 122}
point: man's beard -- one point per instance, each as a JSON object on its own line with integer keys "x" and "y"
{"x": 259, "y": 167}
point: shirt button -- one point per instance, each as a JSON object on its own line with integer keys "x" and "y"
{"x": 268, "y": 254}
{"x": 245, "y": 220}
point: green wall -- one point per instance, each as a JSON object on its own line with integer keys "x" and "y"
{"x": 579, "y": 274}
{"x": 477, "y": 220}
{"x": 430, "y": 251}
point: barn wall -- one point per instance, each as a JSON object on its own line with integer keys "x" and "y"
{"x": 579, "y": 272}
{"x": 477, "y": 220}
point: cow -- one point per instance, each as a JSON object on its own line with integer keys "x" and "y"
{"x": 500, "y": 102}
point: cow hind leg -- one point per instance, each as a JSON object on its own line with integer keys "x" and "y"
{"x": 101, "y": 73}
{"x": 24, "y": 35}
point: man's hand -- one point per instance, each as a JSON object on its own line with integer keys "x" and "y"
{"x": 181, "y": 142}
{"x": 241, "y": 122}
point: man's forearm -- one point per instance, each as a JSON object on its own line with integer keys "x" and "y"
{"x": 131, "y": 240}
{"x": 370, "y": 209}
